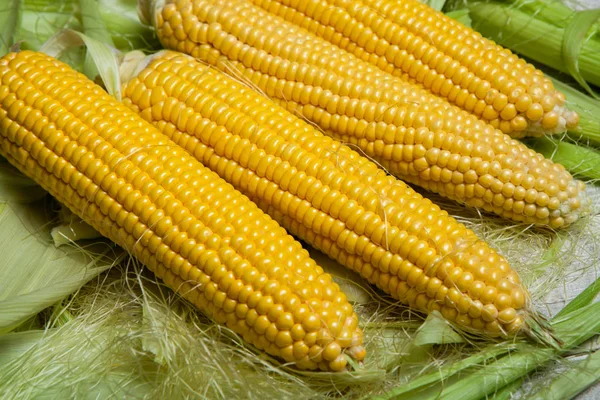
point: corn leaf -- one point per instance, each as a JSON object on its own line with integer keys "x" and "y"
{"x": 569, "y": 384}
{"x": 94, "y": 28}
{"x": 572, "y": 43}
{"x": 435, "y": 4}
{"x": 436, "y": 330}
{"x": 12, "y": 345}
{"x": 506, "y": 393}
{"x": 10, "y": 21}
{"x": 446, "y": 372}
{"x": 461, "y": 16}
{"x": 521, "y": 32}
{"x": 588, "y": 109}
{"x": 577, "y": 327}
{"x": 123, "y": 22}
{"x": 581, "y": 161}
{"x": 33, "y": 273}
{"x": 583, "y": 299}
{"x": 54, "y": 360}
{"x": 105, "y": 57}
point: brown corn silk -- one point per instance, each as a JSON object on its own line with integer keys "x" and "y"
{"x": 197, "y": 233}
{"x": 416, "y": 136}
{"x": 328, "y": 195}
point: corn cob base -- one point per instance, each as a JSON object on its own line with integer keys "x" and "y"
{"x": 193, "y": 230}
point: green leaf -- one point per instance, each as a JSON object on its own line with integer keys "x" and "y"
{"x": 579, "y": 160}
{"x": 94, "y": 28}
{"x": 12, "y": 345}
{"x": 583, "y": 299}
{"x": 588, "y": 109}
{"x": 569, "y": 384}
{"x": 435, "y": 4}
{"x": 104, "y": 56}
{"x": 446, "y": 372}
{"x": 10, "y": 21}
{"x": 572, "y": 43}
{"x": 461, "y": 16}
{"x": 436, "y": 330}
{"x": 523, "y": 33}
{"x": 38, "y": 273}
{"x": 506, "y": 393}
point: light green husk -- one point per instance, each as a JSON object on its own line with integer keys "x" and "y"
{"x": 38, "y": 274}
{"x": 568, "y": 384}
{"x": 588, "y": 109}
{"x": 582, "y": 162}
{"x": 511, "y": 26}
{"x": 41, "y": 19}
{"x": 10, "y": 22}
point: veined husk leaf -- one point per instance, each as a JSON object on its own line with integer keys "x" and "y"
{"x": 13, "y": 344}
{"x": 573, "y": 40}
{"x": 94, "y": 28}
{"x": 568, "y": 384}
{"x": 435, "y": 4}
{"x": 104, "y": 57}
{"x": 533, "y": 38}
{"x": 34, "y": 274}
{"x": 41, "y": 19}
{"x": 436, "y": 330}
{"x": 10, "y": 21}
{"x": 580, "y": 160}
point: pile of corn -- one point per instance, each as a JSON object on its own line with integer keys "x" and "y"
{"x": 314, "y": 116}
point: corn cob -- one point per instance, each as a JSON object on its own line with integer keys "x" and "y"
{"x": 424, "y": 46}
{"x": 429, "y": 143}
{"x": 412, "y": 41}
{"x": 328, "y": 195}
{"x": 192, "y": 229}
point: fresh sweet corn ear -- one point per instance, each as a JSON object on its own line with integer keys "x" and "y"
{"x": 414, "y": 135}
{"x": 328, "y": 195}
{"x": 424, "y": 46}
{"x": 195, "y": 231}
{"x": 401, "y": 37}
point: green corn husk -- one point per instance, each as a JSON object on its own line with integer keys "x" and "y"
{"x": 41, "y": 19}
{"x": 568, "y": 384}
{"x": 518, "y": 29}
{"x": 581, "y": 161}
{"x": 473, "y": 381}
{"x": 588, "y": 109}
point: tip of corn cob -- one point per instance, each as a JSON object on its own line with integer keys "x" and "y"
{"x": 558, "y": 120}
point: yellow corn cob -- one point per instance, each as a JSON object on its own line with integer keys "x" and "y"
{"x": 424, "y": 46}
{"x": 422, "y": 141}
{"x": 328, "y": 195}
{"x": 192, "y": 229}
